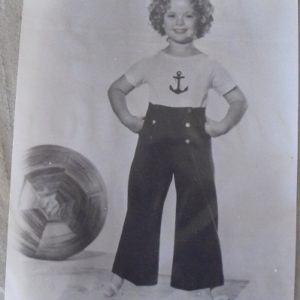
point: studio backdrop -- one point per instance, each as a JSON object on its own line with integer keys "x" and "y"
{"x": 71, "y": 155}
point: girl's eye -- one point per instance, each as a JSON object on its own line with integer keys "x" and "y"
{"x": 171, "y": 15}
{"x": 190, "y": 16}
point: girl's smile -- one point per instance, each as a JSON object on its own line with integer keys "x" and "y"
{"x": 180, "y": 30}
{"x": 180, "y": 22}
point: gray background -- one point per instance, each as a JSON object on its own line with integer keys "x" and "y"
{"x": 9, "y": 36}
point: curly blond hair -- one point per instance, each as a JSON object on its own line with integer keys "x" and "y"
{"x": 203, "y": 8}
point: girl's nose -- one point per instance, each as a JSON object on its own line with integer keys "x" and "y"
{"x": 179, "y": 21}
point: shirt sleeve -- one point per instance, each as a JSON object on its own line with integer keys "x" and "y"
{"x": 136, "y": 74}
{"x": 221, "y": 81}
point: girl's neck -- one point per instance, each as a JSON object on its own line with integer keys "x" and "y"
{"x": 182, "y": 50}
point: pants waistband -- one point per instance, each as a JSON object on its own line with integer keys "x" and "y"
{"x": 176, "y": 109}
{"x": 174, "y": 122}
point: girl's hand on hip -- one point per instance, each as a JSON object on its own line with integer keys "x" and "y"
{"x": 214, "y": 128}
{"x": 135, "y": 124}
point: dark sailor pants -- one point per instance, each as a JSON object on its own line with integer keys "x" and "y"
{"x": 173, "y": 142}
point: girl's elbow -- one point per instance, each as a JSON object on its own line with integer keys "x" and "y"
{"x": 245, "y": 104}
{"x": 243, "y": 101}
{"x": 110, "y": 90}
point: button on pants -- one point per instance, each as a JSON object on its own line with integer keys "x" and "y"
{"x": 173, "y": 142}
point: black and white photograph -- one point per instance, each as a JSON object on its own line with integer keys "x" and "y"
{"x": 155, "y": 151}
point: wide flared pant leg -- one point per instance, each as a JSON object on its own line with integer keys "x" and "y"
{"x": 197, "y": 261}
{"x": 150, "y": 177}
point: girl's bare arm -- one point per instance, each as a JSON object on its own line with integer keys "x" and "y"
{"x": 117, "y": 97}
{"x": 237, "y": 107}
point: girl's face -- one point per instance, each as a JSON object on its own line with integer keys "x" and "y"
{"x": 180, "y": 22}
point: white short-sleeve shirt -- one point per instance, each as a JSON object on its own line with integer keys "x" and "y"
{"x": 180, "y": 81}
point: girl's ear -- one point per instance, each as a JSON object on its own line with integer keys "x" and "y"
{"x": 203, "y": 19}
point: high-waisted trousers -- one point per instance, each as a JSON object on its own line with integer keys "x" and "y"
{"x": 172, "y": 143}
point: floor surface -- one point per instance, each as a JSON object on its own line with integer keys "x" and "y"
{"x": 83, "y": 277}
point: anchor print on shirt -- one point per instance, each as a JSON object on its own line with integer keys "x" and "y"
{"x": 178, "y": 89}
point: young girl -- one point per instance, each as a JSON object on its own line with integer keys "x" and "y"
{"x": 174, "y": 141}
